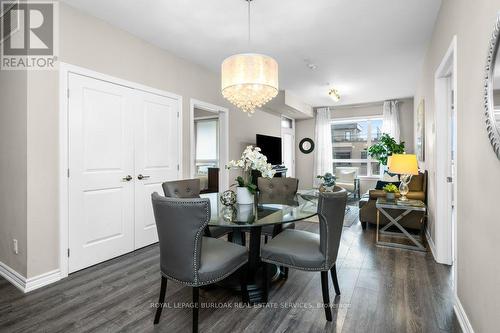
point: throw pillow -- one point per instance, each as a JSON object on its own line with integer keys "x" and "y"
{"x": 390, "y": 177}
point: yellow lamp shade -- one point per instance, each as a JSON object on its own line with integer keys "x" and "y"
{"x": 249, "y": 80}
{"x": 403, "y": 164}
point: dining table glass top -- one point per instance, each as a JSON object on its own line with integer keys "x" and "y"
{"x": 279, "y": 210}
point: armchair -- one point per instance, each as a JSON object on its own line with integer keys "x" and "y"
{"x": 347, "y": 177}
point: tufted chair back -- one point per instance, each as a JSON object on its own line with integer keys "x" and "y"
{"x": 277, "y": 190}
{"x": 331, "y": 212}
{"x": 180, "y": 243}
{"x": 186, "y": 188}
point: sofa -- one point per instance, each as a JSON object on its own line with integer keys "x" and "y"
{"x": 414, "y": 220}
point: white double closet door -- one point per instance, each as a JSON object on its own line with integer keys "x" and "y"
{"x": 123, "y": 143}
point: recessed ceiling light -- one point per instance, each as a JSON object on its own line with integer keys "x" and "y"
{"x": 334, "y": 94}
{"x": 312, "y": 66}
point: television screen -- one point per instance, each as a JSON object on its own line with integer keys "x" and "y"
{"x": 271, "y": 147}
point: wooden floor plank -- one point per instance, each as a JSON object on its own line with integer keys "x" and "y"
{"x": 383, "y": 290}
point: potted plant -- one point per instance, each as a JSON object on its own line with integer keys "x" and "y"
{"x": 385, "y": 147}
{"x": 328, "y": 182}
{"x": 390, "y": 191}
{"x": 251, "y": 159}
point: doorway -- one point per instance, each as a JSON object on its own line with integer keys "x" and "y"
{"x": 209, "y": 126}
{"x": 445, "y": 84}
{"x": 288, "y": 144}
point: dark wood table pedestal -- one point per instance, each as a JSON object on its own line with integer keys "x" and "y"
{"x": 254, "y": 267}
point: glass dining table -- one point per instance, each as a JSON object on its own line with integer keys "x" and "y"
{"x": 271, "y": 214}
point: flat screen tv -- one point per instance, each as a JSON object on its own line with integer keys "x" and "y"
{"x": 271, "y": 147}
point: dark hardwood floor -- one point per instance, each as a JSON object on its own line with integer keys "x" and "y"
{"x": 383, "y": 290}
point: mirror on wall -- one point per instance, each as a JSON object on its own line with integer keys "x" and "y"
{"x": 492, "y": 91}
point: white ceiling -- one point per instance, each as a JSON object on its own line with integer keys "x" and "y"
{"x": 370, "y": 50}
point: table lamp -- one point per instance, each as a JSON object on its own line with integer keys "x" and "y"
{"x": 405, "y": 165}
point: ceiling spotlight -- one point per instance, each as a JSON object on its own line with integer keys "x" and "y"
{"x": 312, "y": 66}
{"x": 334, "y": 94}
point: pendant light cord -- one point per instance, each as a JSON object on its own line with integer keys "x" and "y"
{"x": 249, "y": 21}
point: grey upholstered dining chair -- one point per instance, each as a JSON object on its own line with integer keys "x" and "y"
{"x": 190, "y": 188}
{"x": 185, "y": 188}
{"x": 308, "y": 251}
{"x": 279, "y": 190}
{"x": 186, "y": 256}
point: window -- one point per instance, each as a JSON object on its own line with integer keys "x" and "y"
{"x": 350, "y": 141}
{"x": 342, "y": 155}
{"x": 207, "y": 145}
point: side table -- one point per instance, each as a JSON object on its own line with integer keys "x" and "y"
{"x": 405, "y": 207}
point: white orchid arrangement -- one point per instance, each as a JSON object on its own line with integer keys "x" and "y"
{"x": 251, "y": 159}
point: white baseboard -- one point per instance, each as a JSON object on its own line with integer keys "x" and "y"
{"x": 12, "y": 276}
{"x": 42, "y": 280}
{"x": 462, "y": 316}
{"x": 30, "y": 284}
{"x": 432, "y": 246}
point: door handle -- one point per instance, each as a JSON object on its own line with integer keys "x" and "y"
{"x": 449, "y": 179}
{"x": 141, "y": 177}
{"x": 128, "y": 178}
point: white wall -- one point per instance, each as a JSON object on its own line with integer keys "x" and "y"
{"x": 478, "y": 168}
{"x": 304, "y": 163}
{"x": 13, "y": 187}
{"x": 89, "y": 42}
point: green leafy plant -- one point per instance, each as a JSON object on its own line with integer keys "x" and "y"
{"x": 328, "y": 179}
{"x": 385, "y": 147}
{"x": 242, "y": 183}
{"x": 390, "y": 188}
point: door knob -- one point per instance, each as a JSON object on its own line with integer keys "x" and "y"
{"x": 128, "y": 178}
{"x": 141, "y": 177}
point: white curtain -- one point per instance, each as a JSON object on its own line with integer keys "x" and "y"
{"x": 323, "y": 152}
{"x": 390, "y": 123}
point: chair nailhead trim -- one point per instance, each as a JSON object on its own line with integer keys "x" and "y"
{"x": 197, "y": 282}
{"x": 191, "y": 284}
{"x": 317, "y": 269}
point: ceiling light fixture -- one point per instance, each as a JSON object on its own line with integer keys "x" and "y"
{"x": 334, "y": 94}
{"x": 249, "y": 80}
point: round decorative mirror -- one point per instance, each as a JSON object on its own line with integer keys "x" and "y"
{"x": 492, "y": 91}
{"x": 306, "y": 145}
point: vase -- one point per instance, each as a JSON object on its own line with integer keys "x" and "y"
{"x": 244, "y": 196}
{"x": 245, "y": 213}
{"x": 390, "y": 196}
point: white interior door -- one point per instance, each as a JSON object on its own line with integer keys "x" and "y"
{"x": 156, "y": 157}
{"x": 101, "y": 156}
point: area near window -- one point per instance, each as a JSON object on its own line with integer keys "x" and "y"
{"x": 351, "y": 138}
{"x": 207, "y": 145}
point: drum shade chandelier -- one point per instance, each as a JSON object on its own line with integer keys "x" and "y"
{"x": 249, "y": 80}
